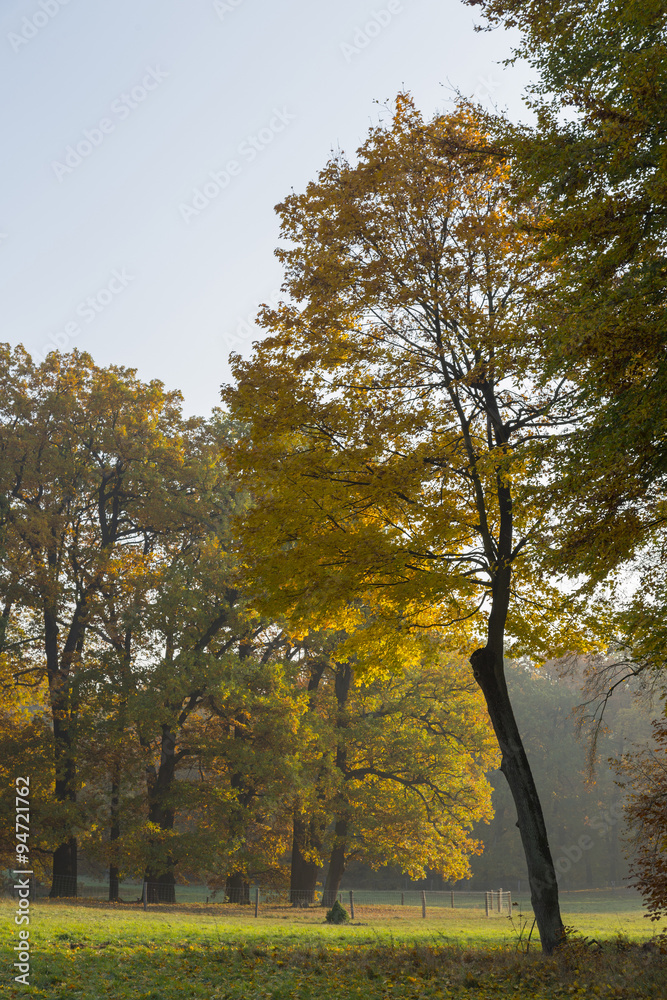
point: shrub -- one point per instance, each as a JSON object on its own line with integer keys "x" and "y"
{"x": 337, "y": 914}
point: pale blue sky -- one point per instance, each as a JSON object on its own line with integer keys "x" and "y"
{"x": 182, "y": 89}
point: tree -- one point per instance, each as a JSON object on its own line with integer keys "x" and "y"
{"x": 91, "y": 466}
{"x": 395, "y": 420}
{"x": 410, "y": 758}
{"x": 391, "y": 768}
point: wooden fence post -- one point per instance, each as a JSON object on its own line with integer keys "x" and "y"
{"x": 486, "y": 902}
{"x": 509, "y": 903}
{"x": 452, "y": 899}
{"x": 256, "y": 900}
{"x": 402, "y": 899}
{"x": 424, "y": 904}
{"x": 500, "y": 896}
{"x": 144, "y": 894}
{"x": 351, "y": 904}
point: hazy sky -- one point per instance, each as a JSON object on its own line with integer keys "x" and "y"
{"x": 147, "y": 141}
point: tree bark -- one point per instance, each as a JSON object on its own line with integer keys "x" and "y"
{"x": 304, "y": 870}
{"x": 114, "y": 834}
{"x": 336, "y": 863}
{"x": 63, "y": 881}
{"x": 64, "y": 872}
{"x": 160, "y": 874}
{"x": 341, "y": 829}
{"x": 161, "y": 888}
{"x": 488, "y": 668}
{"x": 237, "y": 888}
{"x": 305, "y": 832}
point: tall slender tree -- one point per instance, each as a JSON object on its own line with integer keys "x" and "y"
{"x": 396, "y": 423}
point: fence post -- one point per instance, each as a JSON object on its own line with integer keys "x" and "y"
{"x": 509, "y": 903}
{"x": 351, "y": 904}
{"x": 402, "y": 899}
{"x": 256, "y": 900}
{"x": 500, "y": 896}
{"x": 144, "y": 894}
{"x": 424, "y": 904}
{"x": 486, "y": 902}
{"x": 452, "y": 899}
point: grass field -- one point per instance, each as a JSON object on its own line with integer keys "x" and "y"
{"x": 104, "y": 951}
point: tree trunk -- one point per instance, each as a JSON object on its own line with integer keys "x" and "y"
{"x": 488, "y": 668}
{"x": 305, "y": 832}
{"x": 337, "y": 859}
{"x": 336, "y": 863}
{"x": 159, "y": 873}
{"x": 64, "y": 873}
{"x": 124, "y": 651}
{"x": 63, "y": 882}
{"x": 161, "y": 888}
{"x": 114, "y": 834}
{"x": 304, "y": 870}
{"x": 237, "y": 888}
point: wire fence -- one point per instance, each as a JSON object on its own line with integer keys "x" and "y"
{"x": 265, "y": 900}
{"x": 258, "y": 898}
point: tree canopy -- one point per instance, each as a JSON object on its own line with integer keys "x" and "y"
{"x": 398, "y": 425}
{"x": 596, "y": 158}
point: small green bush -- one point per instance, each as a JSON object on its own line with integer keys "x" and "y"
{"x": 337, "y": 914}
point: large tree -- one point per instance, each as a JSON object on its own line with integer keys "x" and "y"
{"x": 396, "y": 421}
{"x": 94, "y": 473}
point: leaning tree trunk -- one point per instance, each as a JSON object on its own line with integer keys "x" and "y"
{"x": 488, "y": 668}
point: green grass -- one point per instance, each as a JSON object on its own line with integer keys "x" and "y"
{"x": 103, "y": 951}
